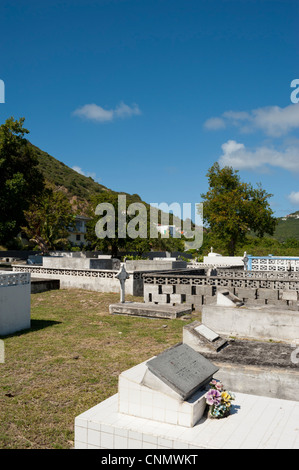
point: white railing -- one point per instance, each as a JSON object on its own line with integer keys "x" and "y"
{"x": 273, "y": 263}
{"x": 208, "y": 266}
{"x": 100, "y": 273}
{"x": 228, "y": 279}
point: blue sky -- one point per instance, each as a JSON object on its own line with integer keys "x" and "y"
{"x": 145, "y": 95}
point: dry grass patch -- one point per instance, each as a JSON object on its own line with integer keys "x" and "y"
{"x": 68, "y": 362}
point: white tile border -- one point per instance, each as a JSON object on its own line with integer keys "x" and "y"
{"x": 258, "y": 422}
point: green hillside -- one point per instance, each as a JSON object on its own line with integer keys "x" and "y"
{"x": 68, "y": 180}
{"x": 78, "y": 188}
{"x": 288, "y": 228}
{"x": 62, "y": 176}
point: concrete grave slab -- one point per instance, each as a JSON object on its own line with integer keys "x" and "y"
{"x": 260, "y": 323}
{"x": 202, "y": 338}
{"x": 183, "y": 369}
{"x": 150, "y": 310}
{"x": 260, "y": 368}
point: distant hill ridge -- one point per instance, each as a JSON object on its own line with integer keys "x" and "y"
{"x": 70, "y": 181}
{"x": 80, "y": 189}
{"x": 287, "y": 227}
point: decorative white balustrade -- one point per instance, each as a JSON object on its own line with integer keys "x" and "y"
{"x": 273, "y": 263}
{"x": 14, "y": 278}
{"x": 108, "y": 274}
{"x": 229, "y": 279}
{"x": 101, "y": 280}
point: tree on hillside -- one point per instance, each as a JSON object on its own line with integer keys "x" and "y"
{"x": 232, "y": 208}
{"x": 125, "y": 226}
{"x": 48, "y": 220}
{"x": 109, "y": 231}
{"x": 20, "y": 179}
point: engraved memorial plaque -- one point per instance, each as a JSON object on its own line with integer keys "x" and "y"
{"x": 183, "y": 369}
{"x": 209, "y": 334}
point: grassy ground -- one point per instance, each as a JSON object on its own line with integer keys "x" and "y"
{"x": 68, "y": 362}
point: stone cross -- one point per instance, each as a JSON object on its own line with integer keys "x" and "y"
{"x": 122, "y": 275}
{"x": 245, "y": 260}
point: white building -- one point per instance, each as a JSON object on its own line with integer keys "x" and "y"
{"x": 166, "y": 229}
{"x": 77, "y": 234}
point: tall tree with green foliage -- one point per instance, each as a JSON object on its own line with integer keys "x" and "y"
{"x": 49, "y": 219}
{"x": 124, "y": 229}
{"x": 232, "y": 208}
{"x": 20, "y": 179}
{"x": 109, "y": 231}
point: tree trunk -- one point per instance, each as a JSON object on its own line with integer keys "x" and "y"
{"x": 232, "y": 247}
{"x": 114, "y": 250}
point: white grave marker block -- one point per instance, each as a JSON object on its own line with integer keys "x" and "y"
{"x": 209, "y": 334}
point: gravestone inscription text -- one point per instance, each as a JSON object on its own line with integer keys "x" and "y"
{"x": 183, "y": 369}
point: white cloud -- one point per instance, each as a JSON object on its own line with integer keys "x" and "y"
{"x": 215, "y": 123}
{"x": 236, "y": 155}
{"x": 236, "y": 116}
{"x": 277, "y": 121}
{"x": 123, "y": 110}
{"x": 81, "y": 172}
{"x": 294, "y": 198}
{"x": 78, "y": 170}
{"x": 272, "y": 120}
{"x": 94, "y": 112}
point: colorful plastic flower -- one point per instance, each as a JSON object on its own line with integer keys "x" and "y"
{"x": 226, "y": 397}
{"x": 218, "y": 399}
{"x": 213, "y": 397}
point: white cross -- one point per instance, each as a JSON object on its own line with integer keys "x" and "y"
{"x": 122, "y": 275}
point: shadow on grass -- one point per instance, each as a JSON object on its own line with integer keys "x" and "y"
{"x": 35, "y": 326}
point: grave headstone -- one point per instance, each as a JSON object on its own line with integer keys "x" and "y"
{"x": 183, "y": 369}
{"x": 203, "y": 339}
{"x": 209, "y": 334}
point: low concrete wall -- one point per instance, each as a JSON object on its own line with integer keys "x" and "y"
{"x": 262, "y": 381}
{"x": 14, "y": 302}
{"x": 88, "y": 279}
{"x": 80, "y": 263}
{"x": 253, "y": 322}
{"x": 154, "y": 265}
{"x": 224, "y": 260}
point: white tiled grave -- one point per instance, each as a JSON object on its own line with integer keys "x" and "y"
{"x": 142, "y": 394}
{"x": 255, "y": 423}
{"x": 147, "y": 418}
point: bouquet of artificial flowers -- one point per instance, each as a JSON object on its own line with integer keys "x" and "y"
{"x": 219, "y": 400}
